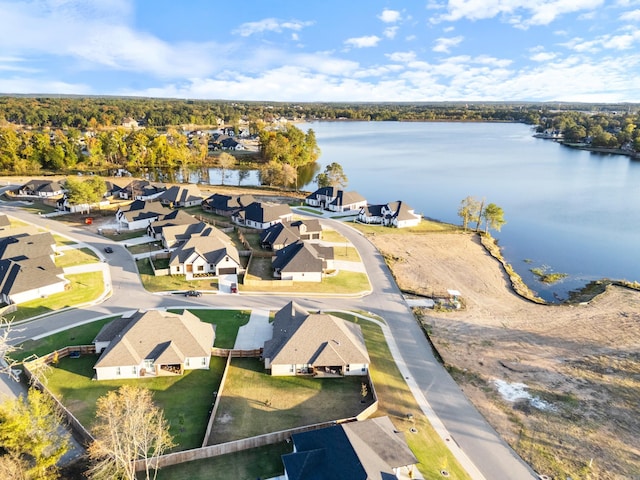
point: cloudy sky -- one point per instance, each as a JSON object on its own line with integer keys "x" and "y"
{"x": 324, "y": 50}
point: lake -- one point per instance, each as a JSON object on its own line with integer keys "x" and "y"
{"x": 569, "y": 211}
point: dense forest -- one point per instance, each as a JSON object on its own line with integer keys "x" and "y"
{"x": 63, "y": 134}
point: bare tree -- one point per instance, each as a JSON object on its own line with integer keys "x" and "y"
{"x": 6, "y": 347}
{"x": 129, "y": 428}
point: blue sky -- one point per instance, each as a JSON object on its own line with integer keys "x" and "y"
{"x": 324, "y": 50}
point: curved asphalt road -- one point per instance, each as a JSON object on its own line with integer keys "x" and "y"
{"x": 492, "y": 457}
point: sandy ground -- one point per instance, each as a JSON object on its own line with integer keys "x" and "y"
{"x": 580, "y": 364}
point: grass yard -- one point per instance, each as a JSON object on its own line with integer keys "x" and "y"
{"x": 227, "y": 323}
{"x": 84, "y": 287}
{"x": 63, "y": 241}
{"x": 124, "y": 234}
{"x": 145, "y": 248}
{"x": 425, "y": 226}
{"x": 82, "y": 335}
{"x": 331, "y": 235}
{"x": 253, "y": 402}
{"x": 171, "y": 282}
{"x": 185, "y": 400}
{"x": 262, "y": 462}
{"x": 75, "y": 256}
{"x": 396, "y": 401}
{"x": 346, "y": 254}
{"x": 343, "y": 282}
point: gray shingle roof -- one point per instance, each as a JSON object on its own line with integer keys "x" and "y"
{"x": 179, "y": 194}
{"x": 158, "y": 335}
{"x": 212, "y": 245}
{"x": 265, "y": 212}
{"x": 315, "y": 339}
{"x": 301, "y": 257}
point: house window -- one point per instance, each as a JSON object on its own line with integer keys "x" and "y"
{"x": 204, "y": 361}
{"x": 347, "y": 369}
{"x": 135, "y": 370}
{"x": 292, "y": 368}
{"x": 186, "y": 362}
{"x": 364, "y": 369}
{"x": 178, "y": 269}
{"x": 201, "y": 268}
{"x": 118, "y": 371}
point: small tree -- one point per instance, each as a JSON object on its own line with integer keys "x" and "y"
{"x": 225, "y": 161}
{"x": 30, "y": 433}
{"x": 333, "y": 176}
{"x": 469, "y": 211}
{"x": 494, "y": 217}
{"x": 129, "y": 427}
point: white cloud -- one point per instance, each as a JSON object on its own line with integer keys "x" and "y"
{"x": 623, "y": 41}
{"x": 631, "y": 16}
{"x": 389, "y": 16}
{"x": 270, "y": 25}
{"x": 363, "y": 42}
{"x": 390, "y": 32}
{"x": 520, "y": 13}
{"x": 22, "y": 85}
{"x": 542, "y": 56}
{"x": 402, "y": 57}
{"x": 444, "y": 45}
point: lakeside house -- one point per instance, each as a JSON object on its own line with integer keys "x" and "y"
{"x": 153, "y": 343}
{"x": 140, "y": 214}
{"x": 315, "y": 344}
{"x": 285, "y": 233}
{"x": 142, "y": 190}
{"x": 27, "y": 267}
{"x": 336, "y": 200}
{"x": 181, "y": 196}
{"x": 368, "y": 449}
{"x": 41, "y": 188}
{"x": 226, "y": 205}
{"x": 262, "y": 215}
{"x": 395, "y": 214}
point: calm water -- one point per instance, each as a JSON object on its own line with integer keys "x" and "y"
{"x": 571, "y": 211}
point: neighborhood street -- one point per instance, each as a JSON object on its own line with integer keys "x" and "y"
{"x": 476, "y": 444}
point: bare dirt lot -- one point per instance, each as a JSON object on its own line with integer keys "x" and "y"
{"x": 580, "y": 364}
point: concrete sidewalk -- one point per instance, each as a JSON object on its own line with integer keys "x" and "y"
{"x": 256, "y": 332}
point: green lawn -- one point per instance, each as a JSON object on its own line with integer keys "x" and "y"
{"x": 346, "y": 254}
{"x": 396, "y": 401}
{"x": 145, "y": 247}
{"x": 84, "y": 288}
{"x": 425, "y": 226}
{"x": 344, "y": 282}
{"x": 261, "y": 462}
{"x": 185, "y": 399}
{"x": 81, "y": 335}
{"x": 227, "y": 323}
{"x": 253, "y": 402}
{"x": 62, "y": 241}
{"x": 75, "y": 256}
{"x": 124, "y": 235}
{"x": 330, "y": 235}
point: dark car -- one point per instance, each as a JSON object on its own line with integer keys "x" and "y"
{"x": 192, "y": 293}
{"x": 108, "y": 250}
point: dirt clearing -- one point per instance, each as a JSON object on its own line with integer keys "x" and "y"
{"x": 569, "y": 376}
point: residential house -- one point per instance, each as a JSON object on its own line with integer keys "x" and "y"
{"x": 65, "y": 205}
{"x": 395, "y": 214}
{"x": 179, "y": 219}
{"x": 142, "y": 190}
{"x": 316, "y": 344}
{"x": 209, "y": 254}
{"x": 140, "y": 214}
{"x": 335, "y": 200}
{"x": 173, "y": 235}
{"x": 227, "y": 205}
{"x": 282, "y": 234}
{"x": 41, "y": 188}
{"x": 153, "y": 343}
{"x": 130, "y": 123}
{"x": 181, "y": 196}
{"x": 262, "y": 215}
{"x": 366, "y": 450}
{"x": 302, "y": 262}
{"x": 27, "y": 268}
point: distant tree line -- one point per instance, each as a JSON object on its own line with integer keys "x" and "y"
{"x": 608, "y": 130}
{"x": 65, "y": 112}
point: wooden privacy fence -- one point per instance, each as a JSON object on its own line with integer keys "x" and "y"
{"x": 233, "y": 353}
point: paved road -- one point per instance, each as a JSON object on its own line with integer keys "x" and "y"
{"x": 463, "y": 424}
